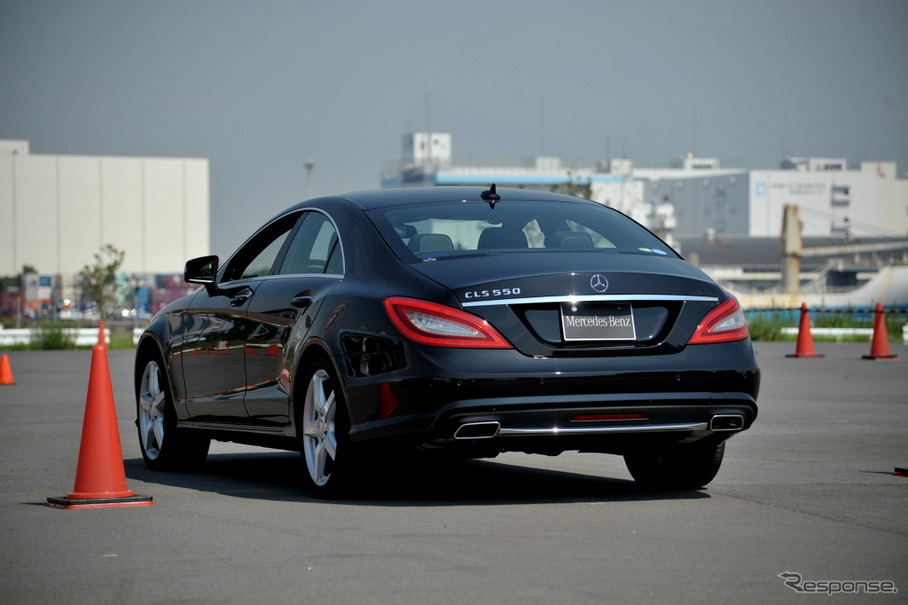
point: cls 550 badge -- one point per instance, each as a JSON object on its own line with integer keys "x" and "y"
{"x": 492, "y": 293}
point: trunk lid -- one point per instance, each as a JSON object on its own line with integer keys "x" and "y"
{"x": 581, "y": 304}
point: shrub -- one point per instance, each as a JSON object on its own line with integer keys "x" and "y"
{"x": 51, "y": 337}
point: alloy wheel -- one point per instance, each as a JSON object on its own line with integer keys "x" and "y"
{"x": 319, "y": 428}
{"x": 152, "y": 400}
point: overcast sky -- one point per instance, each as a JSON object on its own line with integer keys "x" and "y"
{"x": 259, "y": 86}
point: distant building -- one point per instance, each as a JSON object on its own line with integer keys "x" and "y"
{"x": 869, "y": 202}
{"x": 58, "y": 211}
{"x": 695, "y": 197}
{"x": 427, "y": 160}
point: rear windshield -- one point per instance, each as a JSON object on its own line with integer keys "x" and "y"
{"x": 436, "y": 231}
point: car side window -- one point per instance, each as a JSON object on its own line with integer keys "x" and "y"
{"x": 257, "y": 257}
{"x": 315, "y": 247}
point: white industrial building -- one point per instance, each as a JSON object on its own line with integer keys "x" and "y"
{"x": 868, "y": 202}
{"x": 695, "y": 196}
{"x": 58, "y": 211}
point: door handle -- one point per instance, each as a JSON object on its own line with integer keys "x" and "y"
{"x": 301, "y": 302}
{"x": 240, "y": 299}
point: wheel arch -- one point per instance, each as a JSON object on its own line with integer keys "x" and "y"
{"x": 149, "y": 346}
{"x": 315, "y": 350}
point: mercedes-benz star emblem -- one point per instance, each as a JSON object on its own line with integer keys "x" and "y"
{"x": 599, "y": 283}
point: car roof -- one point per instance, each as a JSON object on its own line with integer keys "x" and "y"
{"x": 384, "y": 198}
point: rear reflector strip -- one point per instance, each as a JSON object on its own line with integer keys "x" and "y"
{"x": 601, "y": 417}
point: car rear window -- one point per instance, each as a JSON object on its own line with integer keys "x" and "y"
{"x": 436, "y": 231}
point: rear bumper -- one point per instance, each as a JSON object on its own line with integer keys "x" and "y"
{"x": 602, "y": 423}
{"x": 508, "y": 401}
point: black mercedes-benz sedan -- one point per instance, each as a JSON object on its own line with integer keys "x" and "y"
{"x": 449, "y": 319}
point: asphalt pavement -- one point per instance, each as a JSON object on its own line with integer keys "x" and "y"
{"x": 806, "y": 502}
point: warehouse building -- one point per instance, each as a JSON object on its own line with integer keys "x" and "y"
{"x": 694, "y": 196}
{"x": 58, "y": 211}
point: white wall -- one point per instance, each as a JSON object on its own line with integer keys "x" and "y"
{"x": 57, "y": 212}
{"x": 878, "y": 201}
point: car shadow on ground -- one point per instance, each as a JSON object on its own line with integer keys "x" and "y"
{"x": 279, "y": 476}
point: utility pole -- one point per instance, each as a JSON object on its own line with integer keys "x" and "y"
{"x": 310, "y": 164}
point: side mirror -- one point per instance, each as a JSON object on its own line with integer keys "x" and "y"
{"x": 202, "y": 270}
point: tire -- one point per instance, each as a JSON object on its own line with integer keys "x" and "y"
{"x": 323, "y": 433}
{"x": 680, "y": 467}
{"x": 164, "y": 446}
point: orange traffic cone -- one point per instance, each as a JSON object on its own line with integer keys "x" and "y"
{"x": 6, "y": 372}
{"x": 879, "y": 345}
{"x": 102, "y": 334}
{"x": 100, "y": 474}
{"x": 804, "y": 347}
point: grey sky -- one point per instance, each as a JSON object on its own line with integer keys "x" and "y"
{"x": 257, "y": 87}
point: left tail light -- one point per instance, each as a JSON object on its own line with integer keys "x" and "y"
{"x": 437, "y": 325}
{"x": 725, "y": 323}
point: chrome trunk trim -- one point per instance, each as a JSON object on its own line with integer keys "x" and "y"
{"x": 587, "y": 298}
{"x": 593, "y": 430}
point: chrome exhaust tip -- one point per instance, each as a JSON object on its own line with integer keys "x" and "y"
{"x": 726, "y": 422}
{"x": 477, "y": 430}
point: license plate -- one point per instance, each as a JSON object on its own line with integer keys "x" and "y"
{"x": 597, "y": 322}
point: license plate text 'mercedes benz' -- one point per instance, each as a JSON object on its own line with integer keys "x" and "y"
{"x": 597, "y": 322}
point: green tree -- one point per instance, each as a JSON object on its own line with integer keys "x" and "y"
{"x": 15, "y": 281}
{"x": 575, "y": 187}
{"x": 99, "y": 281}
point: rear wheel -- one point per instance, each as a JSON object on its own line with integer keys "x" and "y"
{"x": 163, "y": 445}
{"x": 323, "y": 432}
{"x": 684, "y": 466}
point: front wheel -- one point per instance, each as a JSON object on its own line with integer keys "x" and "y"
{"x": 323, "y": 431}
{"x": 164, "y": 447}
{"x": 679, "y": 467}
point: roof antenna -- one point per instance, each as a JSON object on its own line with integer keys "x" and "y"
{"x": 490, "y": 196}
